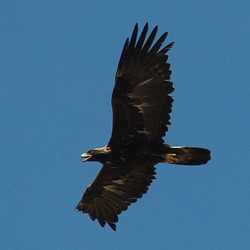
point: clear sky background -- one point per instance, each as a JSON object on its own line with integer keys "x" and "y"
{"x": 57, "y": 68}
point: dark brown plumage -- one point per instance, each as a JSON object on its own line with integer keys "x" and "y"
{"x": 141, "y": 104}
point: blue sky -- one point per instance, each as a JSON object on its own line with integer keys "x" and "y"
{"x": 57, "y": 68}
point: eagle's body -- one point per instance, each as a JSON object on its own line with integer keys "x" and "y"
{"x": 141, "y": 112}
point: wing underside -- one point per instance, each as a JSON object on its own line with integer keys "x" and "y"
{"x": 113, "y": 190}
{"x": 141, "y": 100}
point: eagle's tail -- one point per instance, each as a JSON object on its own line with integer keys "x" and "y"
{"x": 187, "y": 156}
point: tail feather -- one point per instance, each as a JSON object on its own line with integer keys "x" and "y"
{"x": 187, "y": 156}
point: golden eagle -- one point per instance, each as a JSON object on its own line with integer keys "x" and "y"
{"x": 141, "y": 104}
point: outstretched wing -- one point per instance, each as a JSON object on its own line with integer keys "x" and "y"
{"x": 140, "y": 100}
{"x": 113, "y": 190}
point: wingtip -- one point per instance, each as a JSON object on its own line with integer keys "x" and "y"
{"x": 146, "y": 25}
{"x": 112, "y": 225}
{"x": 136, "y": 26}
{"x": 171, "y": 45}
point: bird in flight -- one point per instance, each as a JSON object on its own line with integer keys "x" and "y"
{"x": 141, "y": 104}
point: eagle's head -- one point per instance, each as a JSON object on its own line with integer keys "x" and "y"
{"x": 96, "y": 154}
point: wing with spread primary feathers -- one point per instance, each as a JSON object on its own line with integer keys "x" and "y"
{"x": 140, "y": 101}
{"x": 113, "y": 190}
